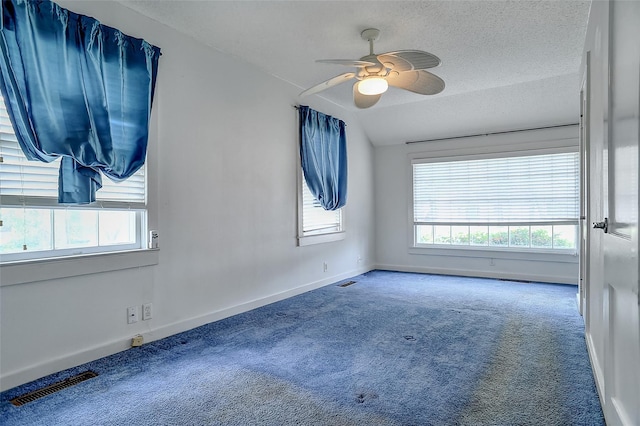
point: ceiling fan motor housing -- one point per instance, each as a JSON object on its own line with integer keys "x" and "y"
{"x": 377, "y": 69}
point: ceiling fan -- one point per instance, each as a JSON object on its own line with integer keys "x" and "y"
{"x": 404, "y": 69}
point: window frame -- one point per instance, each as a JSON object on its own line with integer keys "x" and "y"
{"x": 49, "y": 204}
{"x": 307, "y": 238}
{"x": 16, "y": 270}
{"x": 554, "y": 146}
{"x": 138, "y": 244}
{"x": 509, "y": 249}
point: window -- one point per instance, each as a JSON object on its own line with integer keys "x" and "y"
{"x": 322, "y": 171}
{"x": 317, "y": 224}
{"x": 315, "y": 219}
{"x": 35, "y": 226}
{"x": 515, "y": 203}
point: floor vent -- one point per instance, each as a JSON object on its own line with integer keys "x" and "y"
{"x": 347, "y": 284}
{"x": 515, "y": 281}
{"x": 48, "y": 390}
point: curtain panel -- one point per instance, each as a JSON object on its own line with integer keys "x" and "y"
{"x": 323, "y": 155}
{"x": 78, "y": 90}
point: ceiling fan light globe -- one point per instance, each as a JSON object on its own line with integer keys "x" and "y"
{"x": 373, "y": 86}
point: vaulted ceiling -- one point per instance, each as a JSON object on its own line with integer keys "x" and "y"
{"x": 507, "y": 64}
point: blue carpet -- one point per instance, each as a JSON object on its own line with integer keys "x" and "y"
{"x": 391, "y": 349}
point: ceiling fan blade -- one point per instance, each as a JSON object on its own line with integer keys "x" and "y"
{"x": 347, "y": 62}
{"x": 417, "y": 81}
{"x": 407, "y": 60}
{"x": 364, "y": 101}
{"x": 329, "y": 83}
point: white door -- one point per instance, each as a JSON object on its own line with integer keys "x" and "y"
{"x": 620, "y": 242}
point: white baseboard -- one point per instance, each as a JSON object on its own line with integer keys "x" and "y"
{"x": 481, "y": 274}
{"x": 188, "y": 324}
{"x": 33, "y": 372}
{"x": 16, "y": 378}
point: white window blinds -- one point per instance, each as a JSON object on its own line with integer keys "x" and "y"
{"x": 315, "y": 219}
{"x": 537, "y": 188}
{"x": 35, "y": 183}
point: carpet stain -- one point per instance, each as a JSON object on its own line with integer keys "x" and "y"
{"x": 361, "y": 398}
{"x": 256, "y": 398}
{"x": 509, "y": 393}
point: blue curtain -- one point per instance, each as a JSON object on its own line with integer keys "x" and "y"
{"x": 76, "y": 89}
{"x": 323, "y": 153}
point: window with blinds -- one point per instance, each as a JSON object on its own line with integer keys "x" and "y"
{"x": 526, "y": 202}
{"x": 33, "y": 225}
{"x": 315, "y": 219}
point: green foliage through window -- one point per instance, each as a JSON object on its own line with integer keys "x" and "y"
{"x": 556, "y": 236}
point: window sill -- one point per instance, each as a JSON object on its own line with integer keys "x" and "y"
{"x": 28, "y": 271}
{"x": 322, "y": 238}
{"x": 561, "y": 256}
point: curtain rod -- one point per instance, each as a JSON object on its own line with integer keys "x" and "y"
{"x": 297, "y": 107}
{"x": 492, "y": 133}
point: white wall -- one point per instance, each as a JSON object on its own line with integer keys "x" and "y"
{"x": 393, "y": 213}
{"x": 222, "y": 188}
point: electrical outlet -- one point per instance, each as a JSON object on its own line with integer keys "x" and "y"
{"x": 132, "y": 314}
{"x": 146, "y": 312}
{"x": 325, "y": 266}
{"x": 137, "y": 340}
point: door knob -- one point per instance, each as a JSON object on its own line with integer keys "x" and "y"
{"x": 604, "y": 225}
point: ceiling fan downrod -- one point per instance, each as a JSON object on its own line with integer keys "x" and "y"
{"x": 370, "y": 35}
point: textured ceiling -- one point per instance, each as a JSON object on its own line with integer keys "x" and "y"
{"x": 513, "y": 62}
